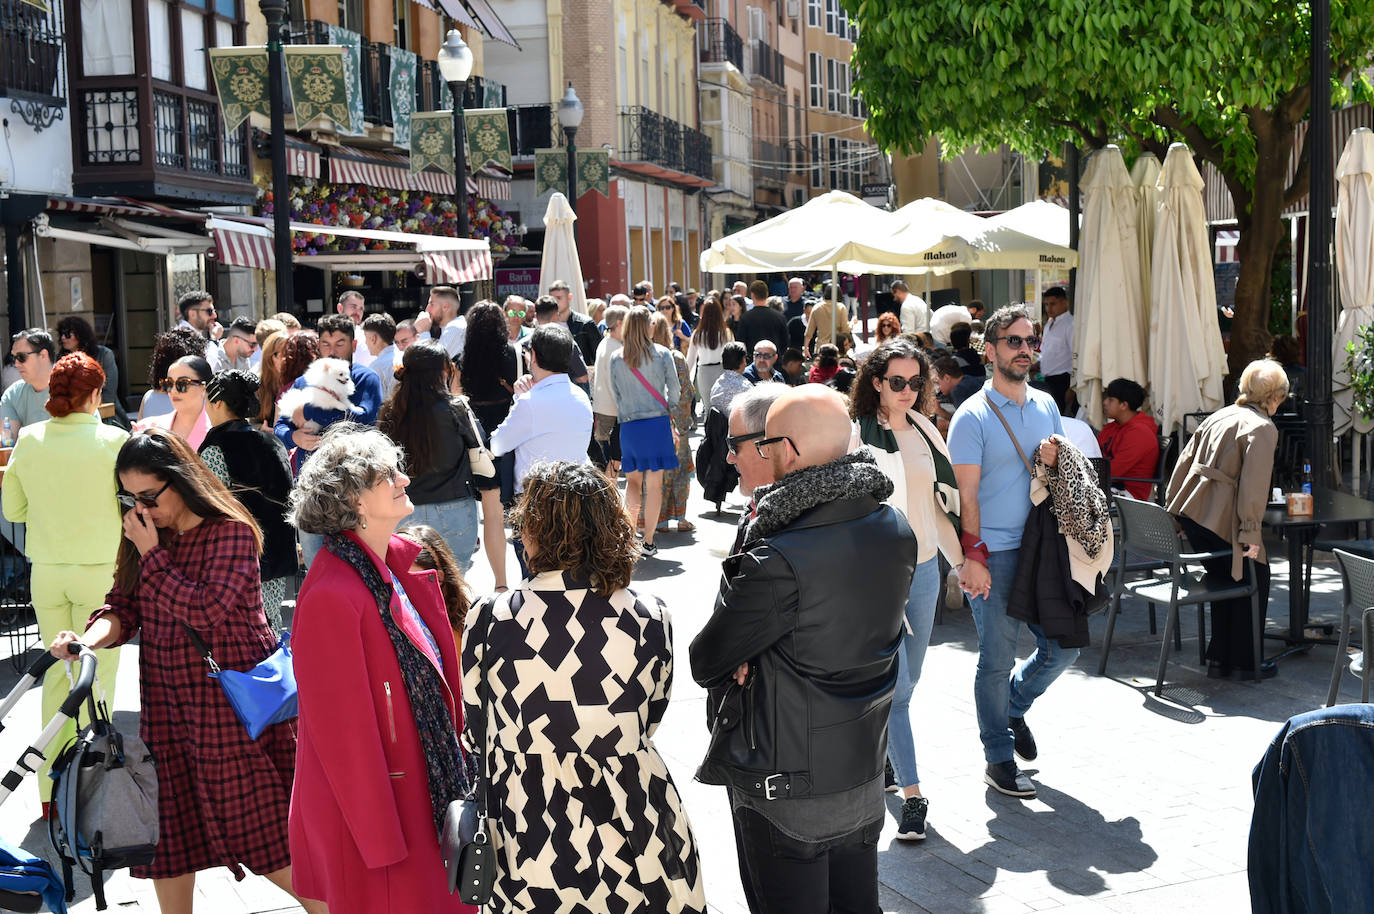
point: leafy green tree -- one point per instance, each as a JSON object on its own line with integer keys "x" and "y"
{"x": 1228, "y": 77}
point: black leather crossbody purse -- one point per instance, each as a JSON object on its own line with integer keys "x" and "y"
{"x": 465, "y": 845}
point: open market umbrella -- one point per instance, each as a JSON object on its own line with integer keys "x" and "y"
{"x": 1186, "y": 359}
{"x": 1145, "y": 177}
{"x": 560, "y": 259}
{"x": 1109, "y": 331}
{"x": 1354, "y": 266}
{"x": 1039, "y": 218}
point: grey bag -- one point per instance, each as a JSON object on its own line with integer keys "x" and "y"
{"x": 105, "y": 804}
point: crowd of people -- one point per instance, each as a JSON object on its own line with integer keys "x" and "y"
{"x": 385, "y": 456}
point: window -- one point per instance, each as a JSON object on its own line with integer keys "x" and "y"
{"x": 351, "y": 15}
{"x": 401, "y": 28}
{"x": 834, "y": 159}
{"x": 813, "y": 13}
{"x": 856, "y": 105}
{"x": 817, "y": 162}
{"x": 841, "y": 20}
{"x": 830, "y": 16}
{"x": 817, "y": 81}
{"x": 832, "y": 84}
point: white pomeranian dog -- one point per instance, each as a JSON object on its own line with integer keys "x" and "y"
{"x": 328, "y": 386}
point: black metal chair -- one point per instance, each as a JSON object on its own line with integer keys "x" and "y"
{"x": 1357, "y": 594}
{"x": 1168, "y": 456}
{"x": 1360, "y": 547}
{"x": 1148, "y": 530}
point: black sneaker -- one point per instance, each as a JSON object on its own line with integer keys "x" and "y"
{"x": 889, "y": 778}
{"x": 1024, "y": 741}
{"x": 648, "y": 550}
{"x": 1006, "y": 778}
{"x": 913, "y": 824}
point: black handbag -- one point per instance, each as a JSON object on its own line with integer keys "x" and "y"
{"x": 465, "y": 844}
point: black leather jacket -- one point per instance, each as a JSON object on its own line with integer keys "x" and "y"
{"x": 818, "y": 617}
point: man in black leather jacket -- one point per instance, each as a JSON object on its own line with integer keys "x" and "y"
{"x": 583, "y": 329}
{"x": 800, "y": 657}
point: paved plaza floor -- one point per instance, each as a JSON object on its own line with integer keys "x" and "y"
{"x": 1144, "y": 804}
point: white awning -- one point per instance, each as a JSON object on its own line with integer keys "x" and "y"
{"x": 128, "y": 241}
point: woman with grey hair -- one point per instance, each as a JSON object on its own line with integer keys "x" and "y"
{"x": 379, "y": 685}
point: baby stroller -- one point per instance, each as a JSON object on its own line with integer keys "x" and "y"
{"x": 28, "y": 882}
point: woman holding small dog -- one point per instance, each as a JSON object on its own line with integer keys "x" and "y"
{"x": 185, "y": 386}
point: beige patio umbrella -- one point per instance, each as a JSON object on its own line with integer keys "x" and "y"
{"x": 1186, "y": 359}
{"x": 1354, "y": 266}
{"x": 1145, "y": 177}
{"x": 1109, "y": 331}
{"x": 560, "y": 260}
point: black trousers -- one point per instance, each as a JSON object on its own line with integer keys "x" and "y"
{"x": 1058, "y": 387}
{"x": 782, "y": 875}
{"x": 1231, "y": 641}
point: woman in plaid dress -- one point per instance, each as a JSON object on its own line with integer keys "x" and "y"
{"x": 190, "y": 557}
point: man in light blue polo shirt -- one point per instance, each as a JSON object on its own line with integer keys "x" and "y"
{"x": 994, "y": 485}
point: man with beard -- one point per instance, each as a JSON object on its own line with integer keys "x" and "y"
{"x": 800, "y": 657}
{"x": 987, "y": 438}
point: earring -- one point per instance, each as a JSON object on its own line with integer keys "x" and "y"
{"x": 364, "y": 524}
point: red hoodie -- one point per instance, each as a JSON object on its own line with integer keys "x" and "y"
{"x": 1133, "y": 449}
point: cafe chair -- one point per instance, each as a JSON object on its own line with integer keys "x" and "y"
{"x": 1360, "y": 547}
{"x": 1168, "y": 456}
{"x": 1147, "y": 530}
{"x": 1357, "y": 595}
{"x": 1123, "y": 568}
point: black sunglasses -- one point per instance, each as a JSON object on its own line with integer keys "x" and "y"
{"x": 128, "y": 499}
{"x": 769, "y": 442}
{"x": 734, "y": 441}
{"x": 181, "y": 384}
{"x": 1016, "y": 342}
{"x": 899, "y": 383}
{"x": 21, "y": 357}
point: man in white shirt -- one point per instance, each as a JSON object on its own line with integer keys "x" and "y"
{"x": 603, "y": 398}
{"x": 1056, "y": 348}
{"x": 912, "y": 311}
{"x": 443, "y": 311}
{"x": 351, "y": 306}
{"x": 379, "y": 337}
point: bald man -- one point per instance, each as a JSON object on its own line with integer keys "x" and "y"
{"x": 800, "y": 657}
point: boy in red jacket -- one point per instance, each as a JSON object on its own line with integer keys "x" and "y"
{"x": 1131, "y": 439}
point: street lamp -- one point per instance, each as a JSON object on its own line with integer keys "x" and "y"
{"x": 274, "y": 11}
{"x": 455, "y": 66}
{"x": 570, "y": 118}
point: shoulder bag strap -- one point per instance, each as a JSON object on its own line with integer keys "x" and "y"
{"x": 482, "y": 769}
{"x": 201, "y": 647}
{"x": 649, "y": 387}
{"x": 1029, "y": 469}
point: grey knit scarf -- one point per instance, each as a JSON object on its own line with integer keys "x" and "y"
{"x": 782, "y": 502}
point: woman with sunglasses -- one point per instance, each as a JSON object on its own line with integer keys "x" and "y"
{"x": 167, "y": 348}
{"x": 63, "y": 469}
{"x": 681, "y": 331}
{"x": 489, "y": 366}
{"x": 253, "y": 464}
{"x": 189, "y": 559}
{"x": 75, "y": 334}
{"x": 184, "y": 385}
{"x": 891, "y": 398}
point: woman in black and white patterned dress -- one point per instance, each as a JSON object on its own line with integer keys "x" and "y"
{"x": 586, "y": 815}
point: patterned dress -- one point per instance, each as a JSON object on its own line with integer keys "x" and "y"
{"x": 222, "y": 796}
{"x": 274, "y": 590}
{"x": 677, "y": 482}
{"x": 587, "y": 818}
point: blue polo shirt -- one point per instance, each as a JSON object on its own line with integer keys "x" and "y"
{"x": 976, "y": 436}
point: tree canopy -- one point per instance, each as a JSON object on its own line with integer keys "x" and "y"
{"x": 1228, "y": 77}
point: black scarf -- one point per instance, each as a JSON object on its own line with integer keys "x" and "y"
{"x": 451, "y": 773}
{"x": 782, "y": 502}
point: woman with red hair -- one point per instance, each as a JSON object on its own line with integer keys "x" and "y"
{"x": 61, "y": 482}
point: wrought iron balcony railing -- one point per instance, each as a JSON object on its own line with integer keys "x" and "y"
{"x": 720, "y": 43}
{"x": 647, "y": 136}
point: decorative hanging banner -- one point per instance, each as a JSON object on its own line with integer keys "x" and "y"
{"x": 403, "y": 67}
{"x": 550, "y": 171}
{"x": 319, "y": 82}
{"x": 353, "y": 68}
{"x": 593, "y": 171}
{"x": 431, "y": 141}
{"x": 241, "y": 77}
{"x": 41, "y": 4}
{"x": 488, "y": 135}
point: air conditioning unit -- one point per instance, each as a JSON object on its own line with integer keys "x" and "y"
{"x": 794, "y": 9}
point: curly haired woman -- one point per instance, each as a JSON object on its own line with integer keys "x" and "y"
{"x": 586, "y": 816}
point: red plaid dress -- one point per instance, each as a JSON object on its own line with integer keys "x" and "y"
{"x": 223, "y": 798}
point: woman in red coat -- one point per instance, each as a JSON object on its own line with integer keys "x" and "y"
{"x": 379, "y": 680}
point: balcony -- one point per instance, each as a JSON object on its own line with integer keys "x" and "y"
{"x": 647, "y": 136}
{"x": 765, "y": 62}
{"x": 771, "y": 163}
{"x": 531, "y": 127}
{"x": 720, "y": 43}
{"x": 32, "y": 74}
{"x": 690, "y": 9}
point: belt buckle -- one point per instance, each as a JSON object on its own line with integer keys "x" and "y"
{"x": 769, "y": 787}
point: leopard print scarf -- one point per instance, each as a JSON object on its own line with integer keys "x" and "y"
{"x": 1076, "y": 500}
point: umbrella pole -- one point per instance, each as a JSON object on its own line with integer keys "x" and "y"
{"x": 929, "y": 309}
{"x": 834, "y": 305}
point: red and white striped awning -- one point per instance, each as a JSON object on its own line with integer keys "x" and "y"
{"x": 455, "y": 267}
{"x": 119, "y": 206}
{"x": 1226, "y": 246}
{"x": 382, "y": 169}
{"x": 303, "y": 160}
{"x": 242, "y": 244}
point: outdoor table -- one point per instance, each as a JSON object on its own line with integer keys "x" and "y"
{"x": 1329, "y": 506}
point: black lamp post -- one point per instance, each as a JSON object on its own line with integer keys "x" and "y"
{"x": 570, "y": 118}
{"x": 1320, "y": 425}
{"x": 275, "y": 13}
{"x": 455, "y": 66}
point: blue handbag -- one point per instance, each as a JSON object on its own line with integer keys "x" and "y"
{"x": 262, "y": 696}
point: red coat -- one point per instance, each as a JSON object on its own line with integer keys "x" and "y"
{"x": 362, "y": 831}
{"x": 1133, "y": 451}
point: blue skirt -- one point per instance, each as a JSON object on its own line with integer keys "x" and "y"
{"x": 647, "y": 444}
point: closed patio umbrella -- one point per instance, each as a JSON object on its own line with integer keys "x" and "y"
{"x": 560, "y": 259}
{"x": 1109, "y": 330}
{"x": 1145, "y": 177}
{"x": 1354, "y": 266}
{"x": 1186, "y": 359}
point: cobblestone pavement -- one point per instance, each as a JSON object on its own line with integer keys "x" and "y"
{"x": 1144, "y": 805}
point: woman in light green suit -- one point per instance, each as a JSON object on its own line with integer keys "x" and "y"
{"x": 61, "y": 482}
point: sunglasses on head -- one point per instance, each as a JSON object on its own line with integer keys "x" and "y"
{"x": 735, "y": 441}
{"x": 899, "y": 383}
{"x": 129, "y": 500}
{"x": 181, "y": 384}
{"x": 1016, "y": 342}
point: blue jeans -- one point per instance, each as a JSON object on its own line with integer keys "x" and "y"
{"x": 920, "y": 618}
{"x": 998, "y": 691}
{"x": 456, "y": 521}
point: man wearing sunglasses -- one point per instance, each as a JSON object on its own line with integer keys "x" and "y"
{"x": 1056, "y": 351}
{"x": 24, "y": 402}
{"x": 197, "y": 311}
{"x": 800, "y": 657}
{"x": 987, "y": 462}
{"x": 762, "y": 369}
{"x": 237, "y": 349}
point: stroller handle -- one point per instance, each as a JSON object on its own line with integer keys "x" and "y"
{"x": 84, "y": 681}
